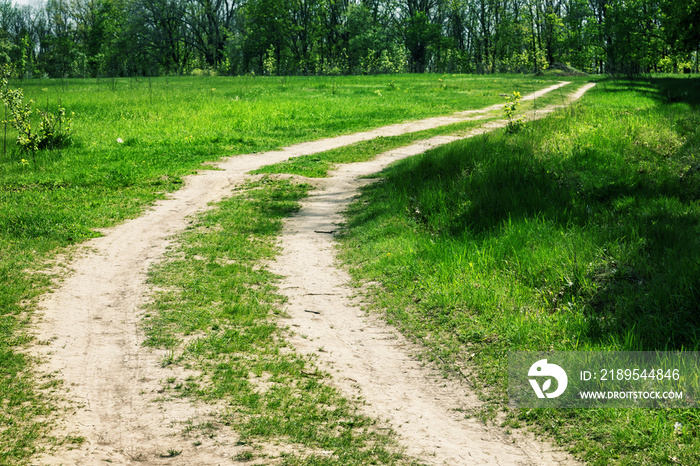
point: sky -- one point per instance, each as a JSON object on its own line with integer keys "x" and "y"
{"x": 26, "y": 2}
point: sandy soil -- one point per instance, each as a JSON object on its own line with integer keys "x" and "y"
{"x": 90, "y": 336}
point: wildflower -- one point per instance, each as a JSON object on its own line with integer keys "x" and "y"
{"x": 120, "y": 141}
{"x": 678, "y": 428}
{"x": 24, "y": 162}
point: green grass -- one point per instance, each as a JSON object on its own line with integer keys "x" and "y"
{"x": 218, "y": 296}
{"x": 579, "y": 232}
{"x": 169, "y": 127}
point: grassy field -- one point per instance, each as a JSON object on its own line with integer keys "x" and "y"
{"x": 168, "y": 126}
{"x": 579, "y": 232}
{"x": 318, "y": 165}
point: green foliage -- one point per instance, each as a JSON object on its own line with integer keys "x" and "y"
{"x": 51, "y": 132}
{"x": 420, "y": 34}
{"x": 173, "y": 37}
{"x": 509, "y": 109}
{"x": 270, "y": 63}
{"x": 682, "y": 23}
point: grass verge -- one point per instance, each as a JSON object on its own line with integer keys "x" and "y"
{"x": 578, "y": 232}
{"x": 318, "y": 165}
{"x": 219, "y": 314}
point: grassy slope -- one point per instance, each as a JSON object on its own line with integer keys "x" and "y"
{"x": 169, "y": 126}
{"x": 578, "y": 233}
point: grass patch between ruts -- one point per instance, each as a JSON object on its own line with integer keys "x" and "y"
{"x": 318, "y": 165}
{"x": 580, "y": 232}
{"x": 218, "y": 295}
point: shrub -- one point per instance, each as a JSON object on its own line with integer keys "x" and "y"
{"x": 52, "y": 130}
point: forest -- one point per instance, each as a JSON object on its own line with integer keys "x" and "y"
{"x": 112, "y": 38}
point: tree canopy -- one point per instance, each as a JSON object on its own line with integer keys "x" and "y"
{"x": 81, "y": 38}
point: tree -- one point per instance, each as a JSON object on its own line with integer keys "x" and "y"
{"x": 266, "y": 25}
{"x": 159, "y": 29}
{"x": 681, "y": 20}
{"x": 304, "y": 32}
{"x": 209, "y": 23}
{"x": 364, "y": 34}
{"x": 126, "y": 37}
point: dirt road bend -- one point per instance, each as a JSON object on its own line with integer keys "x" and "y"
{"x": 90, "y": 335}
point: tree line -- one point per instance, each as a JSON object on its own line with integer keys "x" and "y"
{"x": 94, "y": 38}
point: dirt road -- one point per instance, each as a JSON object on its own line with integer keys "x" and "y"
{"x": 89, "y": 329}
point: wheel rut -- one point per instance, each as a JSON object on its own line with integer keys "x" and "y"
{"x": 370, "y": 359}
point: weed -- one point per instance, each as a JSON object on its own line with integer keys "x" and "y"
{"x": 509, "y": 109}
{"x": 171, "y": 453}
{"x": 245, "y": 456}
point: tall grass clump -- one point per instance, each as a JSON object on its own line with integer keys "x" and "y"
{"x": 579, "y": 232}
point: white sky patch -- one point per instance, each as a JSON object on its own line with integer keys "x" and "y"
{"x": 35, "y": 3}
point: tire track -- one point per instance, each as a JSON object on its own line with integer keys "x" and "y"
{"x": 368, "y": 358}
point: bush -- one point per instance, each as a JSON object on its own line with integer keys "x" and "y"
{"x": 52, "y": 130}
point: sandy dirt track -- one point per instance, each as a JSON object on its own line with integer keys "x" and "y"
{"x": 89, "y": 329}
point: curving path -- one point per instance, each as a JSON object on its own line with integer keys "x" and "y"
{"x": 90, "y": 336}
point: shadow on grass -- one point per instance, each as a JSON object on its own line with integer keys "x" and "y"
{"x": 623, "y": 226}
{"x": 665, "y": 90}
